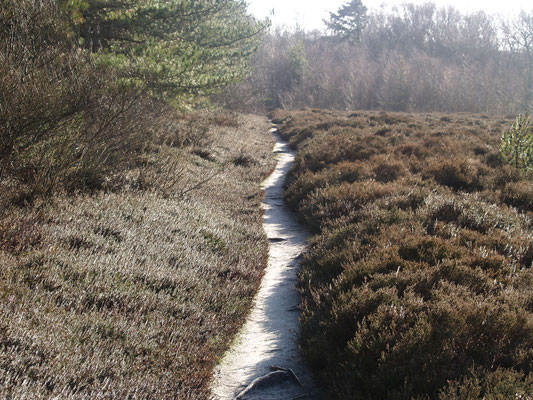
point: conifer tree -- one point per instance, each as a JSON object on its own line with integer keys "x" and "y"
{"x": 180, "y": 49}
{"x": 349, "y": 21}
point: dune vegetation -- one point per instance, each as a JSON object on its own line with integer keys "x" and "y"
{"x": 418, "y": 283}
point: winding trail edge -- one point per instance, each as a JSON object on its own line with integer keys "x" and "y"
{"x": 264, "y": 362}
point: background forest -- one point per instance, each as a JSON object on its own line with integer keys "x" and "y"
{"x": 415, "y": 58}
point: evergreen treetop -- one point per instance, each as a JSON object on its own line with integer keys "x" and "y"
{"x": 349, "y": 21}
{"x": 181, "y": 49}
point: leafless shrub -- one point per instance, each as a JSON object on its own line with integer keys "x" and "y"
{"x": 446, "y": 61}
{"x": 64, "y": 120}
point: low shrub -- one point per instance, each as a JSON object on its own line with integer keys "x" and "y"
{"x": 226, "y": 119}
{"x": 418, "y": 282}
{"x": 458, "y": 174}
{"x": 506, "y": 174}
{"x": 480, "y": 383}
{"x": 349, "y": 172}
{"x": 243, "y": 160}
{"x": 333, "y": 202}
{"x": 412, "y": 150}
{"x": 134, "y": 291}
{"x": 301, "y": 187}
{"x": 387, "y": 170}
{"x": 519, "y": 194}
{"x": 20, "y": 232}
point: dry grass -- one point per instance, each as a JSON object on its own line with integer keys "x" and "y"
{"x": 134, "y": 292}
{"x": 419, "y": 281}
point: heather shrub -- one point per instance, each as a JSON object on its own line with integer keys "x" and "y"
{"x": 459, "y": 174}
{"x": 279, "y": 116}
{"x": 506, "y": 174}
{"x": 135, "y": 291}
{"x": 243, "y": 160}
{"x": 418, "y": 283}
{"x": 19, "y": 232}
{"x": 225, "y": 118}
{"x": 490, "y": 385}
{"x": 319, "y": 154}
{"x": 333, "y": 202}
{"x": 470, "y": 212}
{"x": 346, "y": 171}
{"x": 301, "y": 187}
{"x": 408, "y": 200}
{"x": 305, "y": 183}
{"x": 387, "y": 170}
{"x": 412, "y": 150}
{"x": 519, "y": 194}
{"x": 493, "y": 159}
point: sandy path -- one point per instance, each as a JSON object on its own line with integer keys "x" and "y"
{"x": 269, "y": 337}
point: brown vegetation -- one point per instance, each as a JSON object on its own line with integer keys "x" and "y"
{"x": 65, "y": 121}
{"x": 418, "y": 57}
{"x": 134, "y": 290}
{"x": 131, "y": 239}
{"x": 418, "y": 283}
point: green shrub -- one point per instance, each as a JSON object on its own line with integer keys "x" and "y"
{"x": 517, "y": 144}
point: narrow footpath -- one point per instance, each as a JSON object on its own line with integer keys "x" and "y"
{"x": 264, "y": 362}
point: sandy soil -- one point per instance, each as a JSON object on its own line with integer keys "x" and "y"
{"x": 264, "y": 362}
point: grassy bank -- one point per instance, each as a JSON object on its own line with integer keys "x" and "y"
{"x": 419, "y": 281}
{"x": 135, "y": 289}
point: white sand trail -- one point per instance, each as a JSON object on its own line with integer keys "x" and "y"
{"x": 269, "y": 337}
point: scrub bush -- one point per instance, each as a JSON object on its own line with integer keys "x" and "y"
{"x": 418, "y": 283}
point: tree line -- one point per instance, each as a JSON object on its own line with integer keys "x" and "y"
{"x": 413, "y": 58}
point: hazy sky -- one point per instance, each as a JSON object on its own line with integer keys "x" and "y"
{"x": 309, "y": 13}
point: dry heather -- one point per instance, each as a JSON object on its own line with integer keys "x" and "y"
{"x": 134, "y": 291}
{"x": 419, "y": 283}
